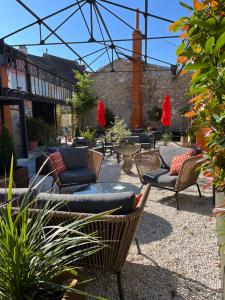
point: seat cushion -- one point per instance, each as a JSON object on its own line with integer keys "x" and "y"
{"x": 57, "y": 161}
{"x": 124, "y": 202}
{"x": 167, "y": 154}
{"x": 82, "y": 175}
{"x": 160, "y": 177}
{"x": 177, "y": 162}
{"x": 146, "y": 137}
{"x": 75, "y": 157}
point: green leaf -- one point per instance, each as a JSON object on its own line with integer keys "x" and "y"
{"x": 219, "y": 44}
{"x": 186, "y": 6}
{"x": 209, "y": 44}
{"x": 222, "y": 58}
{"x": 196, "y": 66}
{"x": 180, "y": 49}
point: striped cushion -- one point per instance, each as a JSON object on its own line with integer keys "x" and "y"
{"x": 57, "y": 161}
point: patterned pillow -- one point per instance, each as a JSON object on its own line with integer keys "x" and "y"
{"x": 137, "y": 199}
{"x": 57, "y": 161}
{"x": 177, "y": 162}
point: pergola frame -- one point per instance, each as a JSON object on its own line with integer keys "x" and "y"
{"x": 110, "y": 47}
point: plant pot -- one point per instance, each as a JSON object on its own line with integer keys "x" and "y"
{"x": 184, "y": 141}
{"x": 127, "y": 151}
{"x": 20, "y": 177}
{"x": 219, "y": 199}
{"x": 32, "y": 145}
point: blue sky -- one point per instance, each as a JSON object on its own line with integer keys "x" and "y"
{"x": 14, "y": 16}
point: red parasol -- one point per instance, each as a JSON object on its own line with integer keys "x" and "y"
{"x": 101, "y": 114}
{"x": 166, "y": 111}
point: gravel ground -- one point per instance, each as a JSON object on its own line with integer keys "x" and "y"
{"x": 179, "y": 249}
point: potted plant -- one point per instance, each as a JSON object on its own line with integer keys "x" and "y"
{"x": 20, "y": 174}
{"x": 119, "y": 133}
{"x": 35, "y": 132}
{"x": 89, "y": 136}
{"x": 202, "y": 51}
{"x": 184, "y": 142}
{"x": 34, "y": 256}
{"x": 166, "y": 138}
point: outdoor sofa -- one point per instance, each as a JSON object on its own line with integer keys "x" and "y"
{"x": 82, "y": 166}
{"x": 154, "y": 168}
{"x": 116, "y": 230}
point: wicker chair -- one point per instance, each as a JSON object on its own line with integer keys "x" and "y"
{"x": 94, "y": 164}
{"x": 149, "y": 162}
{"x": 116, "y": 231}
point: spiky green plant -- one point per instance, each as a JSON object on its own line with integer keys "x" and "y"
{"x": 33, "y": 254}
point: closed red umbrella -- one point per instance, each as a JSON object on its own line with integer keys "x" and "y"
{"x": 101, "y": 114}
{"x": 166, "y": 111}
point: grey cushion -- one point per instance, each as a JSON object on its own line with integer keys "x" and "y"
{"x": 167, "y": 154}
{"x": 132, "y": 139}
{"x": 17, "y": 195}
{"x": 146, "y": 137}
{"x": 75, "y": 157}
{"x": 90, "y": 203}
{"x": 160, "y": 177}
{"x": 83, "y": 175}
{"x": 52, "y": 149}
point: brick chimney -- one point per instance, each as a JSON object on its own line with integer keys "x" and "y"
{"x": 137, "y": 69}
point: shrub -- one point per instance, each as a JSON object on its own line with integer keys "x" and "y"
{"x": 6, "y": 150}
{"x": 109, "y": 117}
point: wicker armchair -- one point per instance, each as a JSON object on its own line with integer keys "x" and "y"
{"x": 116, "y": 231}
{"x": 150, "y": 171}
{"x": 94, "y": 164}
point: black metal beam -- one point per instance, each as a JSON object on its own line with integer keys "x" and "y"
{"x": 63, "y": 22}
{"x": 85, "y": 22}
{"x": 156, "y": 59}
{"x": 134, "y": 10}
{"x": 99, "y": 56}
{"x": 50, "y": 29}
{"x": 94, "y": 52}
{"x": 116, "y": 16}
{"x": 96, "y": 41}
{"x": 146, "y": 30}
{"x": 106, "y": 29}
{"x": 42, "y": 19}
{"x": 100, "y": 28}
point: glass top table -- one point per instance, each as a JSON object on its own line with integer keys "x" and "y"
{"x": 107, "y": 187}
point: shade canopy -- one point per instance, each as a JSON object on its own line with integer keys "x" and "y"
{"x": 101, "y": 114}
{"x": 166, "y": 111}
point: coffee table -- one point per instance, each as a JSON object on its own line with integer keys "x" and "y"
{"x": 107, "y": 187}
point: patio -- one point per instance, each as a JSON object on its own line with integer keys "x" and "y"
{"x": 179, "y": 257}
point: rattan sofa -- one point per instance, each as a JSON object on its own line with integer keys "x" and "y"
{"x": 82, "y": 167}
{"x": 153, "y": 168}
{"x": 116, "y": 231}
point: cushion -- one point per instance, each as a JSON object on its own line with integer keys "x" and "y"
{"x": 160, "y": 177}
{"x": 177, "y": 162}
{"x": 167, "y": 154}
{"x": 83, "y": 175}
{"x": 146, "y": 137}
{"x": 137, "y": 199}
{"x": 17, "y": 195}
{"x": 75, "y": 157}
{"x": 52, "y": 149}
{"x": 125, "y": 202}
{"x": 57, "y": 161}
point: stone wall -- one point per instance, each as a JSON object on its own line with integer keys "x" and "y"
{"x": 114, "y": 88}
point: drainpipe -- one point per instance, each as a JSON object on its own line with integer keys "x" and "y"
{"x": 137, "y": 69}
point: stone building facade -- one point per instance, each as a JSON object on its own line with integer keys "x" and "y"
{"x": 115, "y": 89}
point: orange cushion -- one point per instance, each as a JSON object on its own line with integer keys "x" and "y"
{"x": 137, "y": 199}
{"x": 57, "y": 161}
{"x": 177, "y": 162}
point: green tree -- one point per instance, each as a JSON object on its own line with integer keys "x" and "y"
{"x": 83, "y": 99}
{"x": 6, "y": 150}
{"x": 202, "y": 51}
